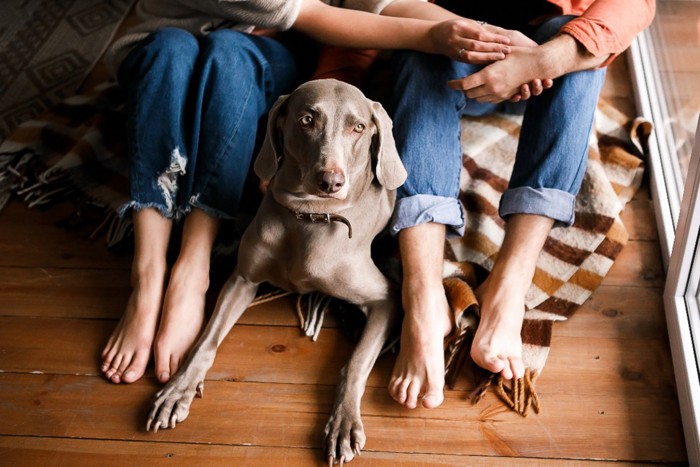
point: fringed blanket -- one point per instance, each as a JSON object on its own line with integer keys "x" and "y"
{"x": 574, "y": 260}
{"x": 76, "y": 151}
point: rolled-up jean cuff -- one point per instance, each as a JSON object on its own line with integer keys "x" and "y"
{"x": 548, "y": 202}
{"x": 421, "y": 209}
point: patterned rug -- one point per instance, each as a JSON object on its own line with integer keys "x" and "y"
{"x": 47, "y": 48}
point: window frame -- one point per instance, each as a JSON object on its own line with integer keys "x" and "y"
{"x": 677, "y": 213}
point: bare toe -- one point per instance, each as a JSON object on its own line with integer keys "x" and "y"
{"x": 137, "y": 367}
{"x": 433, "y": 399}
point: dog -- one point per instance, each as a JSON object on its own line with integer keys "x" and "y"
{"x": 332, "y": 166}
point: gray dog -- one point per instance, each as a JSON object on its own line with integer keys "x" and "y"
{"x": 332, "y": 163}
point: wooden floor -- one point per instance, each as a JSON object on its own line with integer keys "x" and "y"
{"x": 607, "y": 391}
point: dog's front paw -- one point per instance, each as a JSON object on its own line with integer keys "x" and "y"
{"x": 344, "y": 436}
{"x": 172, "y": 403}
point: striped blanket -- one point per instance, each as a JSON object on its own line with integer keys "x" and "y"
{"x": 76, "y": 151}
{"x": 573, "y": 261}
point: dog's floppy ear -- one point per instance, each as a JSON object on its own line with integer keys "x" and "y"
{"x": 389, "y": 170}
{"x": 266, "y": 163}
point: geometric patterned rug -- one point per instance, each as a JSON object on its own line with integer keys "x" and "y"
{"x": 47, "y": 48}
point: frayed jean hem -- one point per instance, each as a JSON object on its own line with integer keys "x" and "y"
{"x": 548, "y": 202}
{"x": 422, "y": 209}
{"x": 125, "y": 209}
{"x": 208, "y": 210}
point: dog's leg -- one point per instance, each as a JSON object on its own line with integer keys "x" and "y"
{"x": 172, "y": 404}
{"x": 344, "y": 433}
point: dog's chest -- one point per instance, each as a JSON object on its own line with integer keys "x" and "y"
{"x": 305, "y": 256}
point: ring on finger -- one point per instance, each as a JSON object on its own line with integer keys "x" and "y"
{"x": 461, "y": 52}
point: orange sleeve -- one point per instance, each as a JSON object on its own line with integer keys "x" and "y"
{"x": 610, "y": 26}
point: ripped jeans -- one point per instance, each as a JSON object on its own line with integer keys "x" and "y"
{"x": 552, "y": 149}
{"x": 194, "y": 105}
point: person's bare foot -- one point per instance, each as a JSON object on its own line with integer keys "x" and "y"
{"x": 126, "y": 355}
{"x": 497, "y": 345}
{"x": 419, "y": 371}
{"x": 182, "y": 317}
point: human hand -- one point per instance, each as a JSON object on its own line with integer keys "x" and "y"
{"x": 517, "y": 77}
{"x": 535, "y": 88}
{"x": 516, "y": 38}
{"x": 469, "y": 41}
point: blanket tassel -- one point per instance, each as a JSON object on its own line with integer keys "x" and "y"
{"x": 520, "y": 396}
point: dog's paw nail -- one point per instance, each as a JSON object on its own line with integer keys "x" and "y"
{"x": 155, "y": 428}
{"x": 330, "y": 461}
{"x": 356, "y": 449}
{"x": 173, "y": 421}
{"x": 148, "y": 424}
{"x": 342, "y": 461}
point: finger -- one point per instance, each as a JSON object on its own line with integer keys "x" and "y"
{"x": 470, "y": 56}
{"x": 466, "y": 83}
{"x": 482, "y": 46}
{"x": 536, "y": 87}
{"x": 486, "y": 34}
{"x": 525, "y": 91}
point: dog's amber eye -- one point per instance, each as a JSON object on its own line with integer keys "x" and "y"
{"x": 307, "y": 121}
{"x": 359, "y": 128}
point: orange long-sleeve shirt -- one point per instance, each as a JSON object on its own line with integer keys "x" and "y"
{"x": 606, "y": 26}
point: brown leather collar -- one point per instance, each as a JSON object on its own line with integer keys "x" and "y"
{"x": 324, "y": 218}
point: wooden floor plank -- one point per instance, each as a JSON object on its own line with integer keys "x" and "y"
{"x": 638, "y": 217}
{"x": 41, "y": 452}
{"x": 634, "y": 365}
{"x": 30, "y": 237}
{"x": 638, "y": 265}
{"x": 284, "y": 415}
{"x": 99, "y": 294}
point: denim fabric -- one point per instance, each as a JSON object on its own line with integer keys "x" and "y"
{"x": 194, "y": 105}
{"x": 552, "y": 150}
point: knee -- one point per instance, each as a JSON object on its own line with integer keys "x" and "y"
{"x": 227, "y": 47}
{"x": 172, "y": 43}
{"x": 164, "y": 50}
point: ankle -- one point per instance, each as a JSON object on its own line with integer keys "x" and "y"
{"x": 148, "y": 276}
{"x": 191, "y": 274}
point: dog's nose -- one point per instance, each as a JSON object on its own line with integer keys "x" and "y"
{"x": 329, "y": 181}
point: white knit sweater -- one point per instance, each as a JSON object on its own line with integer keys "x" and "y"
{"x": 201, "y": 17}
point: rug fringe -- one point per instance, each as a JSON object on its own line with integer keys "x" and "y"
{"x": 520, "y": 395}
{"x": 21, "y": 174}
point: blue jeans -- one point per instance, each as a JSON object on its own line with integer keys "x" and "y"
{"x": 194, "y": 105}
{"x": 552, "y": 150}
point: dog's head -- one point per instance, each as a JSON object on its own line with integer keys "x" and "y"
{"x": 327, "y": 136}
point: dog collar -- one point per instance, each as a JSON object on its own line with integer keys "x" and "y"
{"x": 323, "y": 218}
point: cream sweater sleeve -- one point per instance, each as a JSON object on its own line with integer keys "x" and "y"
{"x": 200, "y": 17}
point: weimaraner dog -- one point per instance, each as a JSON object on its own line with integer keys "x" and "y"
{"x": 333, "y": 169}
